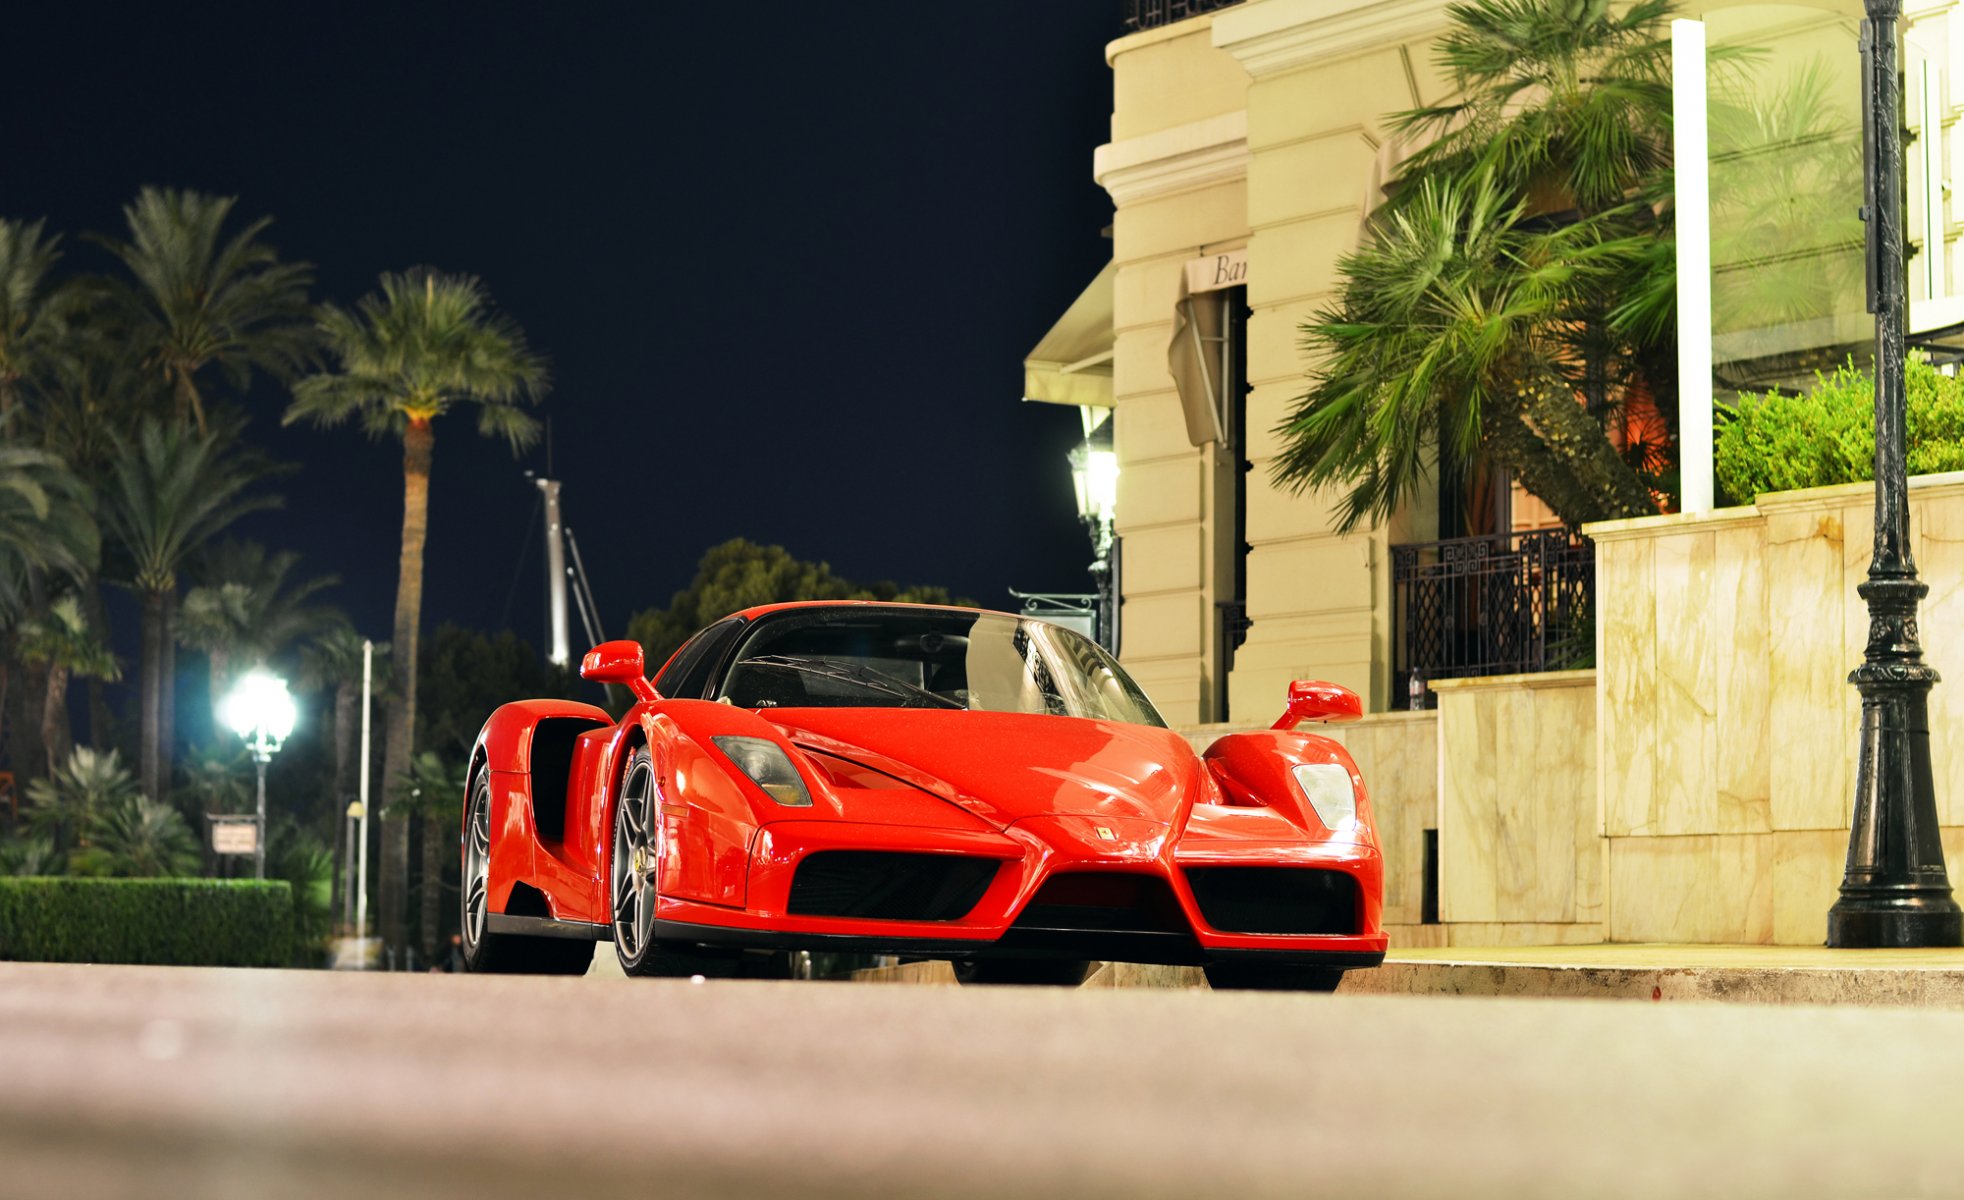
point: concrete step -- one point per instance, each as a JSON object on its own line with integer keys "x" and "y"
{"x": 1742, "y": 974}
{"x": 1737, "y": 974}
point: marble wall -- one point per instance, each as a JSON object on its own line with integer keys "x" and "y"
{"x": 1519, "y": 838}
{"x": 1725, "y": 725}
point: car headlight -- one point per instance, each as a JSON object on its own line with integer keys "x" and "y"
{"x": 1328, "y": 788}
{"x": 769, "y": 767}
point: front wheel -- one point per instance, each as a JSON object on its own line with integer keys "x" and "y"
{"x": 1265, "y": 977}
{"x": 488, "y": 953}
{"x": 637, "y": 853}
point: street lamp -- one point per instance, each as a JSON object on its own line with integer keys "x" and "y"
{"x": 1094, "y": 477}
{"x": 1895, "y": 891}
{"x": 260, "y": 711}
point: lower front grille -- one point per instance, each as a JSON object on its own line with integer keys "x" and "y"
{"x": 1277, "y": 899}
{"x": 1105, "y": 903}
{"x": 884, "y": 886}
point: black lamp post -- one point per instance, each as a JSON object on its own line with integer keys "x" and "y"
{"x": 1896, "y": 891}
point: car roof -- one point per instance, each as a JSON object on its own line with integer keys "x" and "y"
{"x": 762, "y": 609}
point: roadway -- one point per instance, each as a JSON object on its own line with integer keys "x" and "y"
{"x": 128, "y": 1081}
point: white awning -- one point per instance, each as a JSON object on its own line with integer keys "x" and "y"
{"x": 1073, "y": 362}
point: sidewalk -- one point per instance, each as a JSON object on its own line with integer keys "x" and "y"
{"x": 1739, "y": 974}
{"x": 1746, "y": 974}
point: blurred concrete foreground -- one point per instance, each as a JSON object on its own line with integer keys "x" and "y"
{"x": 124, "y": 1081}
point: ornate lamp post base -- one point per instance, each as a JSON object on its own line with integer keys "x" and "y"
{"x": 1896, "y": 891}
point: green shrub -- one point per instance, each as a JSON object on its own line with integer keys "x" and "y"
{"x": 1778, "y": 442}
{"x": 179, "y": 922}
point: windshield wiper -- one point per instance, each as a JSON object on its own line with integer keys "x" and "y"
{"x": 865, "y": 676}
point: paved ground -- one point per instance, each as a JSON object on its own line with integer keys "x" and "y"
{"x": 120, "y": 1081}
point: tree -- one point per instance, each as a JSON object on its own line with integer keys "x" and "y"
{"x": 1522, "y": 270}
{"x": 333, "y": 659}
{"x": 137, "y": 838}
{"x": 47, "y": 532}
{"x": 1565, "y": 100}
{"x": 202, "y": 299}
{"x": 61, "y": 642}
{"x": 172, "y": 490}
{"x": 432, "y": 791}
{"x": 741, "y": 574}
{"x": 30, "y": 305}
{"x": 244, "y": 610}
{"x": 64, "y": 805}
{"x": 425, "y": 344}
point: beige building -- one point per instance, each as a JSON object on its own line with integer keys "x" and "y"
{"x": 1247, "y": 149}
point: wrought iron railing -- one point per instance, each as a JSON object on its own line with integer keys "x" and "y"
{"x": 1502, "y": 604}
{"x": 1151, "y": 14}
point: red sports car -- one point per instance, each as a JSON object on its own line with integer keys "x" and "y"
{"x": 912, "y": 780}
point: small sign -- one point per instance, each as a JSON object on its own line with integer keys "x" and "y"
{"x": 1216, "y": 271}
{"x": 235, "y": 837}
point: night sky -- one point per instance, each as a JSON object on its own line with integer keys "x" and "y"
{"x": 785, "y": 271}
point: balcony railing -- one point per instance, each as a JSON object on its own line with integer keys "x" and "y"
{"x": 1503, "y": 604}
{"x": 1151, "y": 14}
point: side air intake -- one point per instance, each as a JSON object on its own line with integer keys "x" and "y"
{"x": 889, "y": 887}
{"x": 1276, "y": 899}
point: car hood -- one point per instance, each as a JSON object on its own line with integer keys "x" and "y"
{"x": 1004, "y": 767}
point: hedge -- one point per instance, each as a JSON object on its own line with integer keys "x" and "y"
{"x": 1778, "y": 442}
{"x": 176, "y": 922}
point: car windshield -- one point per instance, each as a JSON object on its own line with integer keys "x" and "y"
{"x": 920, "y": 658}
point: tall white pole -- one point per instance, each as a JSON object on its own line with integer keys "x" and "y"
{"x": 1691, "y": 165}
{"x": 561, "y": 651}
{"x": 361, "y": 855}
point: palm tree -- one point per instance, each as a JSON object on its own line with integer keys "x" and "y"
{"x": 433, "y": 790}
{"x": 61, "y": 642}
{"x": 1523, "y": 264}
{"x": 64, "y": 805}
{"x": 333, "y": 660}
{"x": 203, "y": 298}
{"x": 427, "y": 343}
{"x": 137, "y": 838}
{"x": 30, "y": 305}
{"x": 244, "y": 611}
{"x": 170, "y": 491}
{"x": 1452, "y": 331}
{"x": 1567, "y": 101}
{"x": 47, "y": 530}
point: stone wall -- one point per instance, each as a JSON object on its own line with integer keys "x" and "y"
{"x": 1725, "y": 725}
{"x": 1520, "y": 849}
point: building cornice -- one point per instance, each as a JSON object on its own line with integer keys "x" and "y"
{"x": 1214, "y": 150}
{"x": 1271, "y": 36}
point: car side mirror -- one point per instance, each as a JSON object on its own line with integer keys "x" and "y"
{"x": 1315, "y": 700}
{"x": 618, "y": 662}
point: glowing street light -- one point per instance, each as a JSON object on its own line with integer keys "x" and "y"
{"x": 260, "y": 710}
{"x": 1094, "y": 478}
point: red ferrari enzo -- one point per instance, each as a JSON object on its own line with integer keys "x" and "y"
{"x": 912, "y": 780}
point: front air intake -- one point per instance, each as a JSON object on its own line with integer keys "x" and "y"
{"x": 883, "y": 886}
{"x": 1276, "y": 899}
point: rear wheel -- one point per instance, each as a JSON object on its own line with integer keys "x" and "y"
{"x": 1037, "y": 972}
{"x": 490, "y": 953}
{"x": 1265, "y": 977}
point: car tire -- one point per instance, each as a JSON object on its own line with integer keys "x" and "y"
{"x": 1263, "y": 977}
{"x": 487, "y": 953}
{"x": 1027, "y": 972}
{"x": 631, "y": 871}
